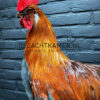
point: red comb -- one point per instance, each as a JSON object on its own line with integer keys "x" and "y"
{"x": 24, "y": 3}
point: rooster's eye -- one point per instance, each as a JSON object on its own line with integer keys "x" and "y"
{"x": 29, "y": 10}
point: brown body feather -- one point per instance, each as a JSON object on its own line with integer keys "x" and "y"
{"x": 52, "y": 72}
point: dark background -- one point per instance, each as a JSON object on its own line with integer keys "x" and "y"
{"x": 74, "y": 22}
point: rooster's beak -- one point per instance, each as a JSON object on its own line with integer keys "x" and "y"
{"x": 18, "y": 15}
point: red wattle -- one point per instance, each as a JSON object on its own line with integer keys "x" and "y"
{"x": 26, "y": 22}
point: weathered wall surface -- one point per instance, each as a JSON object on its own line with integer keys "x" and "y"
{"x": 74, "y": 22}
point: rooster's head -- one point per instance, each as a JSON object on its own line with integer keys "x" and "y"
{"x": 28, "y": 13}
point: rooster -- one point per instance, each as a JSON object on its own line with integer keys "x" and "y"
{"x": 46, "y": 72}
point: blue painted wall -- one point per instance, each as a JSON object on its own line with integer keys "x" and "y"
{"x": 74, "y": 21}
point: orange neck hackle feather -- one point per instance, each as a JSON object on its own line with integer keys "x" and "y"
{"x": 47, "y": 68}
{"x": 42, "y": 64}
{"x": 43, "y": 33}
